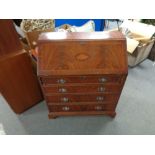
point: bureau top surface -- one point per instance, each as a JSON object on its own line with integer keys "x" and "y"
{"x": 81, "y": 53}
{"x": 68, "y": 36}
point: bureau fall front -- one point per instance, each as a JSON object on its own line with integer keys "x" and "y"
{"x": 82, "y": 73}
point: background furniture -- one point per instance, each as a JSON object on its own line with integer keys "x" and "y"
{"x": 152, "y": 53}
{"x": 9, "y": 39}
{"x": 82, "y": 73}
{"x": 18, "y": 82}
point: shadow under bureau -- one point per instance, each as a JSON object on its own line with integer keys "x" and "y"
{"x": 82, "y": 73}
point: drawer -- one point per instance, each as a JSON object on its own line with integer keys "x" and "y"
{"x": 98, "y": 97}
{"x": 81, "y": 79}
{"x": 72, "y": 108}
{"x": 85, "y": 88}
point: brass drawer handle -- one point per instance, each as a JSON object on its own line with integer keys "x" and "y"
{"x": 62, "y": 90}
{"x": 62, "y": 81}
{"x": 64, "y": 99}
{"x": 65, "y": 108}
{"x": 99, "y": 98}
{"x": 98, "y": 107}
{"x": 101, "y": 89}
{"x": 102, "y": 80}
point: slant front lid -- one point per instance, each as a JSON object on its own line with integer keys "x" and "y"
{"x": 82, "y": 53}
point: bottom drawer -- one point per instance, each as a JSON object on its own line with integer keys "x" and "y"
{"x": 72, "y": 108}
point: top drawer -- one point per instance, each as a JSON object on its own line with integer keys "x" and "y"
{"x": 81, "y": 79}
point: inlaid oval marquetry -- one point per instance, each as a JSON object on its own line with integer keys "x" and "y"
{"x": 82, "y": 56}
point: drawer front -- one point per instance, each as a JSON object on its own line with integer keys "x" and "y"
{"x": 72, "y": 108}
{"x": 81, "y": 79}
{"x": 85, "y": 88}
{"x": 100, "y": 97}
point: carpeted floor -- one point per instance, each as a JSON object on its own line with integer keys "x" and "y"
{"x": 135, "y": 112}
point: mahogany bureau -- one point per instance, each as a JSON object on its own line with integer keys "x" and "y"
{"x": 82, "y": 73}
